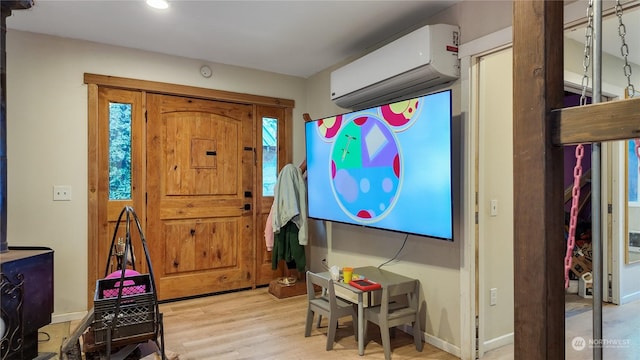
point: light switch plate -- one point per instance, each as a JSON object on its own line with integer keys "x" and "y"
{"x": 493, "y": 207}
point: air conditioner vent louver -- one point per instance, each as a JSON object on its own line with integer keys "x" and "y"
{"x": 424, "y": 58}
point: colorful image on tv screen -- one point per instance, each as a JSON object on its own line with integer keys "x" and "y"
{"x": 387, "y": 167}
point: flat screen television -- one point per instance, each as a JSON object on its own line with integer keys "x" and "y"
{"x": 387, "y": 167}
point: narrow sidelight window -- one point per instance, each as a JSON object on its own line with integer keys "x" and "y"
{"x": 269, "y": 155}
{"x": 119, "y": 151}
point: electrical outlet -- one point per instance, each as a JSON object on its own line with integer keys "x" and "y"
{"x": 61, "y": 193}
{"x": 493, "y": 297}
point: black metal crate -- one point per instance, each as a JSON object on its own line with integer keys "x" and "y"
{"x": 136, "y": 311}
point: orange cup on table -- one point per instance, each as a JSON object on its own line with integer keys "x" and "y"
{"x": 347, "y": 274}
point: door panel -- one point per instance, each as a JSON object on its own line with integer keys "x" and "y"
{"x": 200, "y": 224}
{"x": 201, "y": 245}
{"x": 203, "y": 154}
{"x": 109, "y": 209}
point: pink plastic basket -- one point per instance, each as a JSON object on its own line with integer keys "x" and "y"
{"x": 130, "y": 287}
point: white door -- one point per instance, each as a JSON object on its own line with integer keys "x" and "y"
{"x": 495, "y": 200}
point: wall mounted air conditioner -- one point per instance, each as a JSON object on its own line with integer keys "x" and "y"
{"x": 417, "y": 61}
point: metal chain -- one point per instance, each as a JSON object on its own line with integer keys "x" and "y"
{"x": 586, "y": 61}
{"x": 577, "y": 170}
{"x": 624, "y": 50}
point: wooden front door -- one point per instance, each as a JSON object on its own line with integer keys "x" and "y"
{"x": 200, "y": 177}
{"x": 190, "y": 164}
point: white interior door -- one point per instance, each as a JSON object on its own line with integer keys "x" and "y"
{"x": 495, "y": 200}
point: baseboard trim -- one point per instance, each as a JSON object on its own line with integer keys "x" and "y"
{"x": 630, "y": 298}
{"x": 498, "y": 342}
{"x": 59, "y": 318}
{"x": 434, "y": 341}
{"x": 442, "y": 345}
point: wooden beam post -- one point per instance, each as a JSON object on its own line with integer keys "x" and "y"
{"x": 538, "y": 181}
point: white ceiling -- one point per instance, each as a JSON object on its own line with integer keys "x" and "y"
{"x": 297, "y": 38}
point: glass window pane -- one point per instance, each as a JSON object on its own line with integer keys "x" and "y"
{"x": 119, "y": 151}
{"x": 269, "y": 155}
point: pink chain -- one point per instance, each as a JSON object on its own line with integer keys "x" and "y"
{"x": 575, "y": 193}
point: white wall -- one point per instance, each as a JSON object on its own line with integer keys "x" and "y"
{"x": 47, "y": 138}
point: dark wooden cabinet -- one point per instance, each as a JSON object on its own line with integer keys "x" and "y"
{"x": 26, "y": 298}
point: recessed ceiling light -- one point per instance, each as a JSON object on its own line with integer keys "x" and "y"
{"x": 158, "y": 4}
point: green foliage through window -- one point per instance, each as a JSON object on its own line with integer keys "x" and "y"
{"x": 269, "y": 155}
{"x": 119, "y": 151}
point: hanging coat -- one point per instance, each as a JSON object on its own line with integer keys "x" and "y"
{"x": 288, "y": 219}
{"x": 290, "y": 201}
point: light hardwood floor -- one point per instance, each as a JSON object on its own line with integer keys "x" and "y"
{"x": 620, "y": 326}
{"x": 253, "y": 324}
